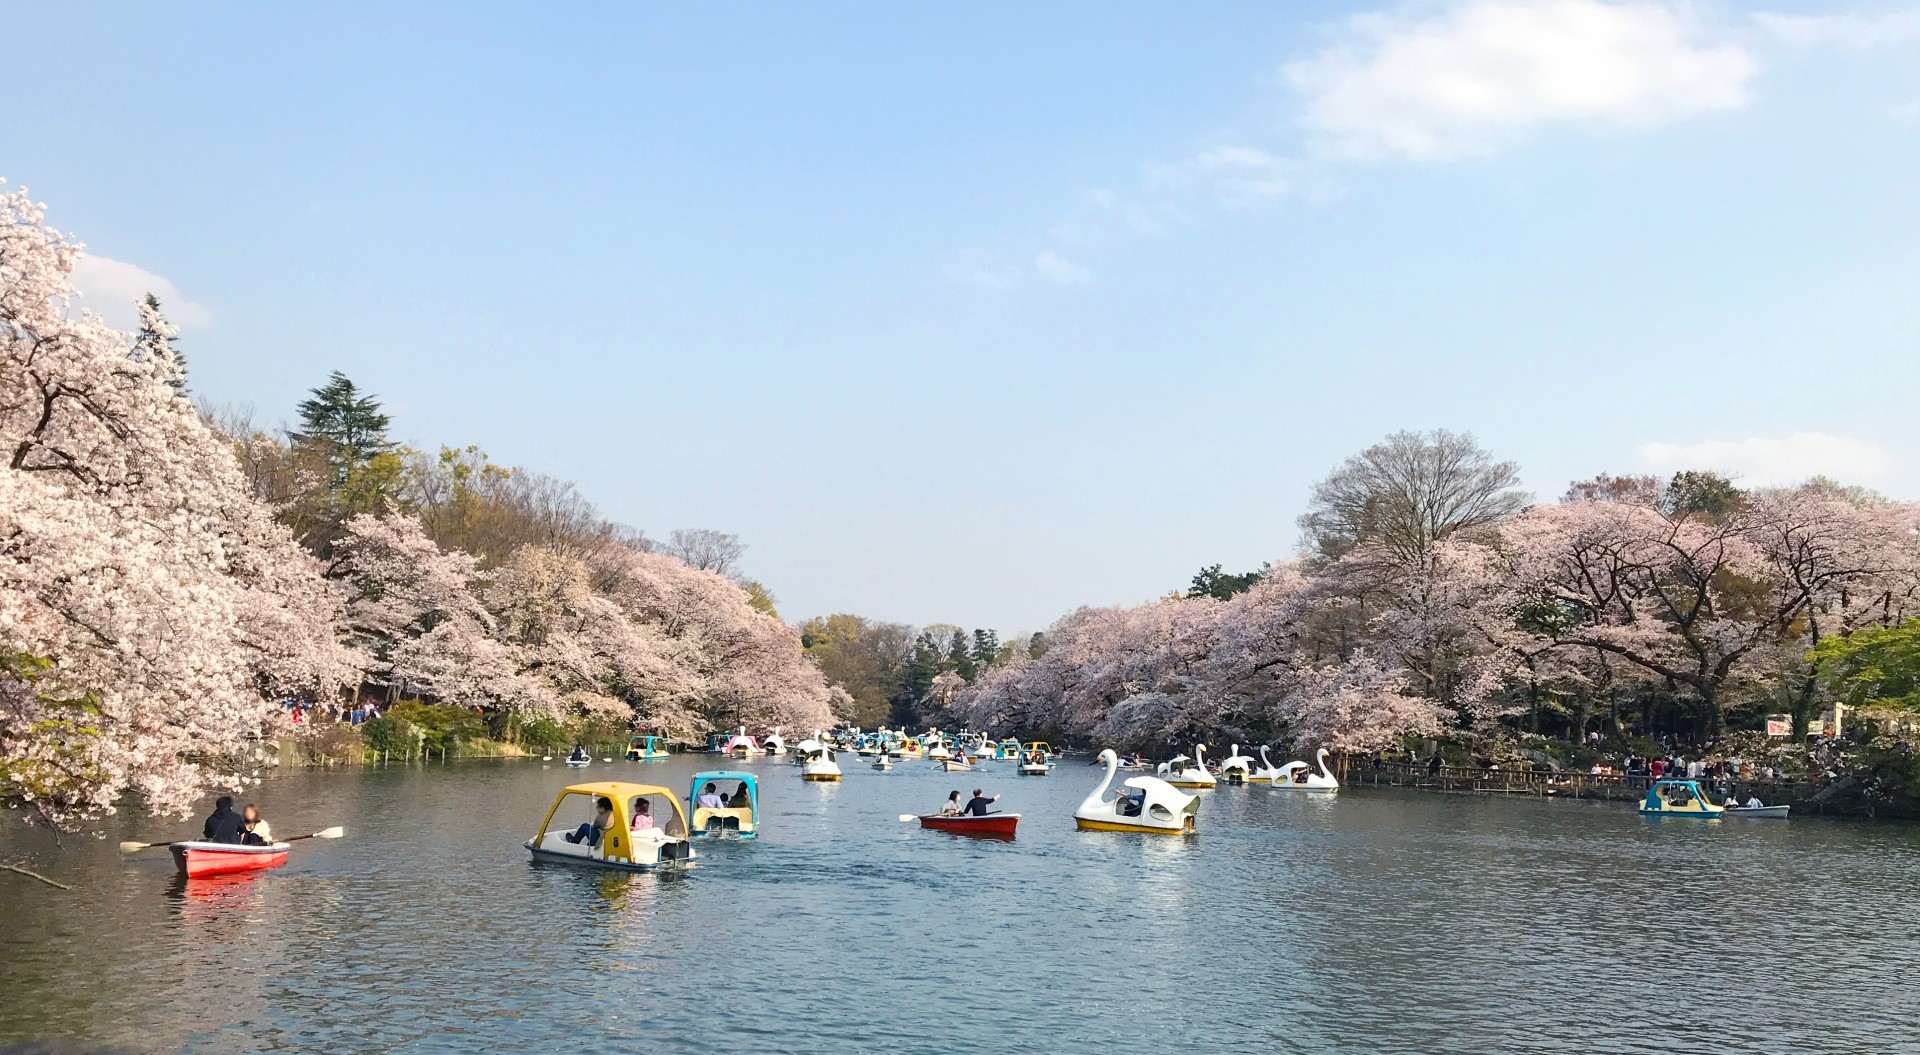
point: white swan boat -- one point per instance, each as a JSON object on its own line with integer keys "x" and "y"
{"x": 1238, "y": 768}
{"x": 1268, "y": 772}
{"x": 1298, "y": 776}
{"x": 1148, "y": 804}
{"x": 1194, "y": 776}
{"x": 773, "y": 744}
{"x": 817, "y": 759}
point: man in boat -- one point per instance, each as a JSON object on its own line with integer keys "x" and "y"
{"x": 710, "y": 798}
{"x": 590, "y": 831}
{"x": 258, "y": 831}
{"x": 579, "y": 754}
{"x": 977, "y": 806}
{"x": 224, "y": 825}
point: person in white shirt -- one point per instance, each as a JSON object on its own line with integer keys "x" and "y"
{"x": 710, "y": 797}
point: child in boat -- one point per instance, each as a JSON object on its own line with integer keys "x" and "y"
{"x": 258, "y": 831}
{"x": 642, "y": 816}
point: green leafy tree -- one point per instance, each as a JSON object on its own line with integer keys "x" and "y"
{"x": 1700, "y": 493}
{"x": 1876, "y": 669}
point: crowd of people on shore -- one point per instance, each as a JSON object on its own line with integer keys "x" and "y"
{"x": 358, "y": 713}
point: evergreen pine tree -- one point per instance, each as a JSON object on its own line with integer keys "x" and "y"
{"x": 339, "y": 415}
{"x": 958, "y": 657}
{"x": 986, "y": 647}
{"x": 155, "y": 343}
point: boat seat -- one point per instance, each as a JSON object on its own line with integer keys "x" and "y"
{"x": 556, "y": 842}
{"x": 741, "y": 816}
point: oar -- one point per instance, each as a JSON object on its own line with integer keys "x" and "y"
{"x": 335, "y": 832}
{"x": 905, "y": 817}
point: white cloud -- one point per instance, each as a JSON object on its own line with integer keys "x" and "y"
{"x": 1478, "y": 76}
{"x": 1789, "y": 460}
{"x": 1842, "y": 31}
{"x": 1059, "y": 270}
{"x": 1233, "y": 175}
{"x": 111, "y": 288}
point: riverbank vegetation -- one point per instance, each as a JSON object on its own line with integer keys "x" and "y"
{"x": 168, "y": 576}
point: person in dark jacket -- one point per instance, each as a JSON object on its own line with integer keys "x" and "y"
{"x": 977, "y": 806}
{"x": 224, "y": 826}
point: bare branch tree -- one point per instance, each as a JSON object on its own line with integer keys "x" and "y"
{"x": 705, "y": 549}
{"x": 1408, "y": 492}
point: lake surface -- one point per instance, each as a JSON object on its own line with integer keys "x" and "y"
{"x": 1375, "y": 921}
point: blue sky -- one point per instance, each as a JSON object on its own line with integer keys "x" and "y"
{"x": 975, "y": 314}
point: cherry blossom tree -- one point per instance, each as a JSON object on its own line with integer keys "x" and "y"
{"x": 148, "y": 604}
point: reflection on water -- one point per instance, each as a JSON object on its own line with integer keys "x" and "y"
{"x": 1359, "y": 923}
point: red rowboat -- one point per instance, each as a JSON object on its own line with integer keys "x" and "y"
{"x": 1001, "y": 824}
{"x": 212, "y": 859}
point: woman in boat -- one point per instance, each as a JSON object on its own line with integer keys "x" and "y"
{"x": 589, "y": 832}
{"x": 740, "y": 800}
{"x": 258, "y": 831}
{"x": 642, "y": 815}
{"x": 952, "y": 806}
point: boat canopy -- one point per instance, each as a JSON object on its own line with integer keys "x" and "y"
{"x": 742, "y": 819}
{"x": 1680, "y": 798}
{"x": 623, "y": 796}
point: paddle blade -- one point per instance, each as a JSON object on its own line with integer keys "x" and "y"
{"x": 905, "y": 817}
{"x": 130, "y": 848}
{"x": 331, "y": 833}
{"x": 546, "y": 758}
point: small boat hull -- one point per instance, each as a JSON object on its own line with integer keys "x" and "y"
{"x": 198, "y": 859}
{"x": 1758, "y": 812}
{"x": 956, "y": 767}
{"x": 1034, "y": 771}
{"x": 1085, "y": 824}
{"x": 1001, "y": 824}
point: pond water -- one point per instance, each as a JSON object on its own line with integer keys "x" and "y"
{"x": 1374, "y": 921}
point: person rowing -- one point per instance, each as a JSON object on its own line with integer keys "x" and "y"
{"x": 977, "y": 806}
{"x": 579, "y": 754}
{"x": 224, "y": 825}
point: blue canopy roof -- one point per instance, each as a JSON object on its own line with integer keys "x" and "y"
{"x": 716, "y": 775}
